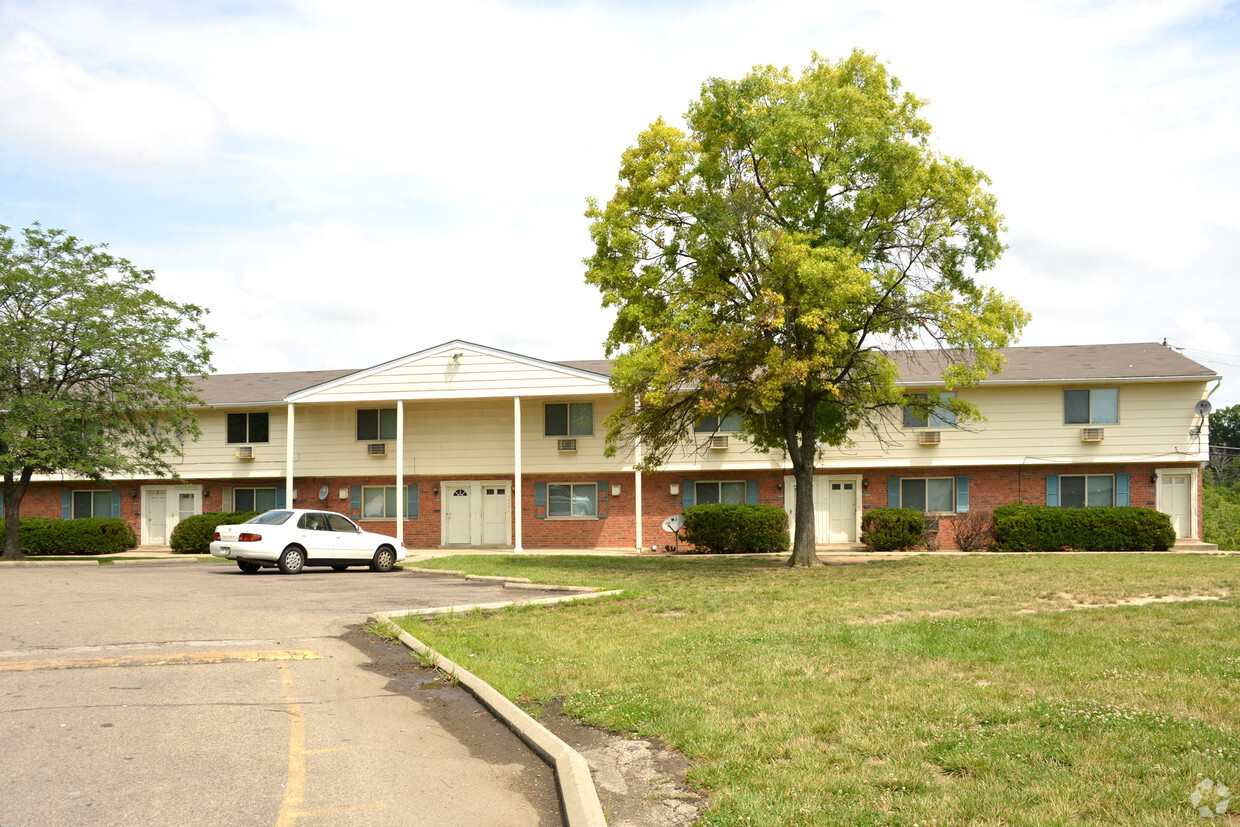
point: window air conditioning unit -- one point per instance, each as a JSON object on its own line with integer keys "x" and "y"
{"x": 929, "y": 438}
{"x": 376, "y": 449}
{"x": 245, "y": 452}
{"x": 1093, "y": 434}
{"x": 718, "y": 443}
{"x": 565, "y": 445}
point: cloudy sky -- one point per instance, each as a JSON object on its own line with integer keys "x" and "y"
{"x": 342, "y": 183}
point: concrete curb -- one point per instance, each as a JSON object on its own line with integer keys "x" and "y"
{"x": 578, "y": 798}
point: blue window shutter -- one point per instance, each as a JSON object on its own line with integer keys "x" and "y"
{"x": 603, "y": 492}
{"x": 962, "y": 495}
{"x": 893, "y": 492}
{"x": 686, "y": 493}
{"x": 1121, "y": 489}
{"x": 411, "y": 501}
{"x": 66, "y": 504}
{"x": 751, "y": 492}
{"x": 281, "y": 497}
{"x": 1052, "y": 489}
{"x": 116, "y": 502}
{"x": 540, "y": 500}
{"x": 355, "y": 500}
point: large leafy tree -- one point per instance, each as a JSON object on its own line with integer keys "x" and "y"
{"x": 1225, "y": 445}
{"x": 97, "y": 372}
{"x": 767, "y": 261}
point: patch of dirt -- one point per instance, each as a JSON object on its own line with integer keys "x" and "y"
{"x": 640, "y": 782}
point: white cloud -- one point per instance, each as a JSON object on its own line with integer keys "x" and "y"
{"x": 56, "y": 106}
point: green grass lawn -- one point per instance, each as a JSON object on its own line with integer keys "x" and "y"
{"x": 933, "y": 690}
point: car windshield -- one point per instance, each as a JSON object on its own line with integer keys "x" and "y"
{"x": 271, "y": 518}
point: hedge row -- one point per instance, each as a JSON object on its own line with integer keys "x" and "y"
{"x": 892, "y": 529}
{"x": 97, "y": 535}
{"x": 736, "y": 529}
{"x": 1046, "y": 528}
{"x": 193, "y": 535}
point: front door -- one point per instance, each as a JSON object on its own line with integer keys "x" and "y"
{"x": 1174, "y": 500}
{"x": 164, "y": 507}
{"x": 842, "y": 503}
{"x": 459, "y": 510}
{"x": 495, "y": 515}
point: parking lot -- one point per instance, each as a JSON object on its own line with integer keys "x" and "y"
{"x": 190, "y": 693}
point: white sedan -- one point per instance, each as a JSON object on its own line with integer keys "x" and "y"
{"x": 293, "y": 538}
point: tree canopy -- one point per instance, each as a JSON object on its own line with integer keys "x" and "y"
{"x": 97, "y": 371}
{"x": 767, "y": 261}
{"x": 1225, "y": 444}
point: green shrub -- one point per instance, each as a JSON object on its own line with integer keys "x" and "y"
{"x": 1047, "y": 528}
{"x": 889, "y": 529}
{"x": 736, "y": 529}
{"x": 98, "y": 535}
{"x": 1220, "y": 519}
{"x": 193, "y": 534}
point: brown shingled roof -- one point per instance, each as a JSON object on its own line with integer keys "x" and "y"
{"x": 1067, "y": 363}
{"x": 261, "y": 388}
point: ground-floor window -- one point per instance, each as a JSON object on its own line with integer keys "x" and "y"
{"x": 254, "y": 499}
{"x": 1086, "y": 490}
{"x": 92, "y": 504}
{"x": 731, "y": 492}
{"x": 379, "y": 501}
{"x": 932, "y": 494}
{"x": 577, "y": 499}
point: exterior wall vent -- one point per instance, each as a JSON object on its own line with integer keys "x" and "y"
{"x": 929, "y": 438}
{"x": 1093, "y": 434}
{"x": 245, "y": 452}
{"x": 719, "y": 443}
{"x": 565, "y": 445}
{"x": 376, "y": 449}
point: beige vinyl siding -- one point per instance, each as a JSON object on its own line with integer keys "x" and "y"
{"x": 213, "y": 457}
{"x": 475, "y": 375}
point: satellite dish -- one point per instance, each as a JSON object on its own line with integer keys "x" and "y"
{"x": 323, "y": 493}
{"x": 674, "y": 523}
{"x": 1203, "y": 407}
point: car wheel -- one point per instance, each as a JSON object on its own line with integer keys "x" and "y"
{"x": 248, "y": 567}
{"x": 292, "y": 561}
{"x": 385, "y": 559}
{"x": 340, "y": 568}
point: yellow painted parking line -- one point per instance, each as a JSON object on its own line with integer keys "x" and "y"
{"x": 159, "y": 660}
{"x": 295, "y": 787}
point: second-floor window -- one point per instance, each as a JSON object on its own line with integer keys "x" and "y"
{"x": 568, "y": 419}
{"x": 920, "y": 416}
{"x": 247, "y": 427}
{"x": 709, "y": 424}
{"x": 375, "y": 424}
{"x": 1095, "y": 406}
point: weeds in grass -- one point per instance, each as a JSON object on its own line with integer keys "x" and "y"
{"x": 384, "y": 629}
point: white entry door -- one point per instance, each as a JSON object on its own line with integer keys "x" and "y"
{"x": 842, "y": 504}
{"x": 1174, "y": 500}
{"x": 164, "y": 507}
{"x": 495, "y": 515}
{"x": 459, "y": 511}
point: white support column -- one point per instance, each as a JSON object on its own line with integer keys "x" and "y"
{"x": 401, "y": 497}
{"x": 637, "y": 489}
{"x": 288, "y": 460}
{"x": 516, "y": 471}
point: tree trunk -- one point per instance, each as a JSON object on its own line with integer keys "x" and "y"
{"x": 14, "y": 490}
{"x": 804, "y": 542}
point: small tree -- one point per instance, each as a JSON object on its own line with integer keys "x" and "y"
{"x": 96, "y": 371}
{"x": 767, "y": 262}
{"x": 1225, "y": 445}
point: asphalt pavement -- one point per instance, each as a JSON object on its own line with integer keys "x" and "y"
{"x": 190, "y": 693}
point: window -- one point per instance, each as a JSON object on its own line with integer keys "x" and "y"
{"x": 376, "y": 423}
{"x": 379, "y": 501}
{"x": 568, "y": 419}
{"x": 932, "y": 494}
{"x": 578, "y": 499}
{"x": 1097, "y": 406}
{"x": 731, "y": 493}
{"x": 254, "y": 499}
{"x": 92, "y": 504}
{"x": 710, "y": 424}
{"x": 919, "y": 416}
{"x": 1086, "y": 491}
{"x": 247, "y": 427}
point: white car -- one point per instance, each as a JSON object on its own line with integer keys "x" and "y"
{"x": 293, "y": 538}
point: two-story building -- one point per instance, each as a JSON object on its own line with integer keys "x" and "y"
{"x": 462, "y": 445}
